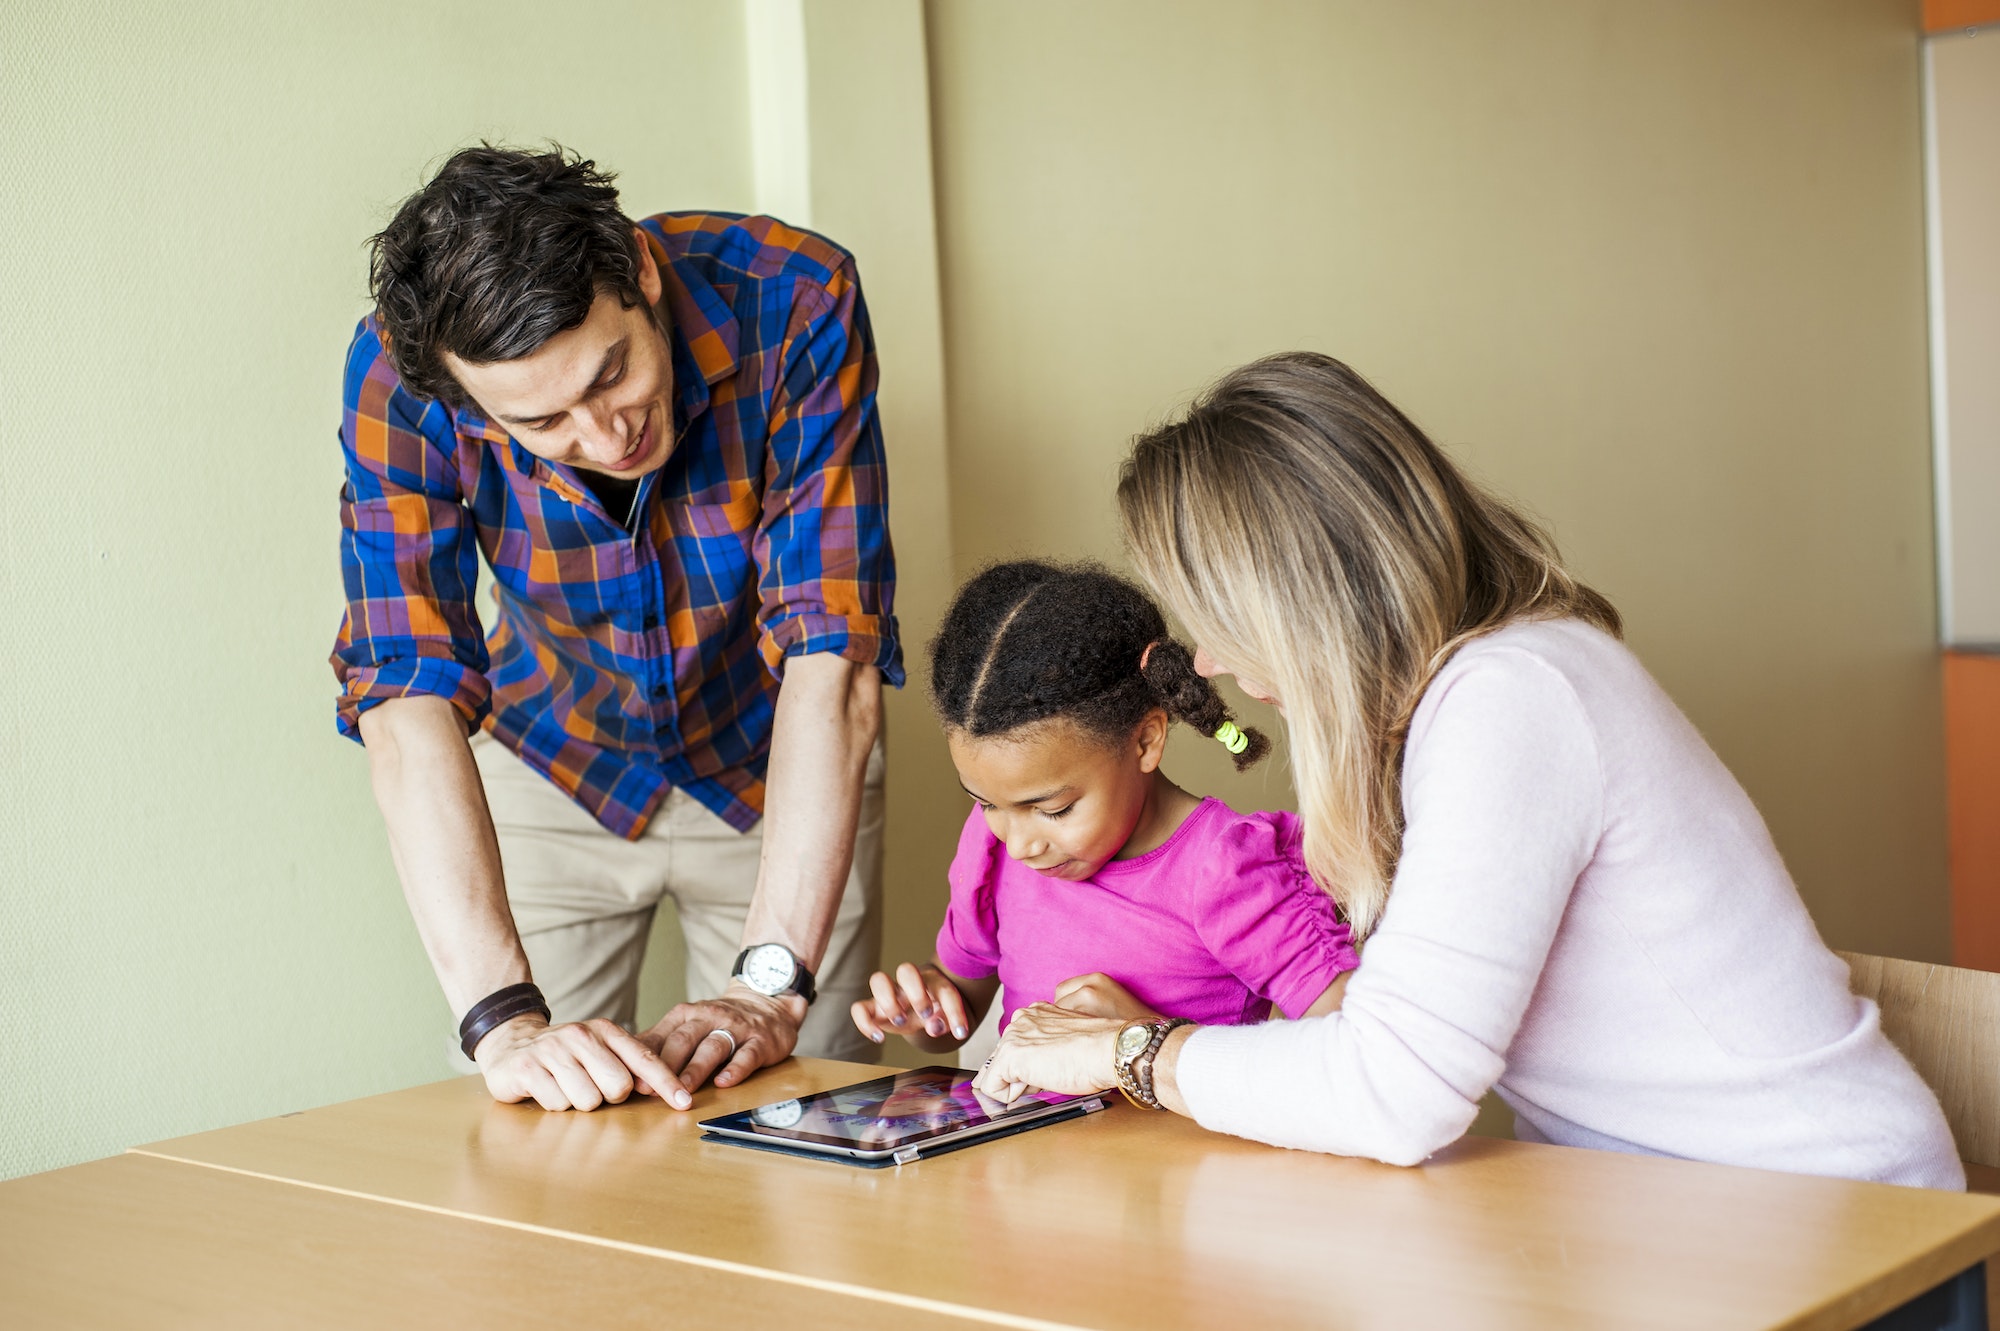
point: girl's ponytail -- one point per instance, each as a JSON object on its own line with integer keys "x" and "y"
{"x": 1169, "y": 670}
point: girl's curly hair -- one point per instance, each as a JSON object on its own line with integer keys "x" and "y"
{"x": 1031, "y": 641}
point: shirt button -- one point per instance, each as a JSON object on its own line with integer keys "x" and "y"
{"x": 659, "y": 690}
{"x": 652, "y": 622}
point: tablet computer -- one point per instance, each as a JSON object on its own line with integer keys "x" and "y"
{"x": 900, "y": 1117}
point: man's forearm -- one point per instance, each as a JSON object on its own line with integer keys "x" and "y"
{"x": 829, "y": 715}
{"x": 441, "y": 836}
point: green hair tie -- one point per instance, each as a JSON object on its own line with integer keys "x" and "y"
{"x": 1231, "y": 738}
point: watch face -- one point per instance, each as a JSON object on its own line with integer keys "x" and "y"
{"x": 769, "y": 968}
{"x": 784, "y": 1114}
{"x": 1133, "y": 1040}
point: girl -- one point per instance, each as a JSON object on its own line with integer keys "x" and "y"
{"x": 1083, "y": 875}
{"x": 1571, "y": 901}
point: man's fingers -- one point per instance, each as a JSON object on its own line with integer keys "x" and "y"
{"x": 606, "y": 1070}
{"x": 542, "y": 1085}
{"x": 576, "y": 1083}
{"x": 679, "y": 1045}
{"x": 651, "y": 1074}
{"x": 711, "y": 1053}
{"x": 747, "y": 1060}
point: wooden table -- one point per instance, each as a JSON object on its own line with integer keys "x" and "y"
{"x": 135, "y": 1241}
{"x": 1121, "y": 1219}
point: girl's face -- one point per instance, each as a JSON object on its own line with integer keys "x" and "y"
{"x": 1209, "y": 668}
{"x": 1062, "y": 800}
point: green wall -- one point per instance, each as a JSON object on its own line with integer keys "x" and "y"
{"x": 199, "y": 923}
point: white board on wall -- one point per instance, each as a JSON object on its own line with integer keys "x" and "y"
{"x": 1963, "y": 94}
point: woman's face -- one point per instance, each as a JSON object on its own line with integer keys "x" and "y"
{"x": 1062, "y": 801}
{"x": 1208, "y": 667}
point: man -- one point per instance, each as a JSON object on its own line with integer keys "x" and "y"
{"x": 663, "y": 439}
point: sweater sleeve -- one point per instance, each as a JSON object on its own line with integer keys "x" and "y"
{"x": 1503, "y": 801}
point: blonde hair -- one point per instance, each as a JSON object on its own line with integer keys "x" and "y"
{"x": 1306, "y": 531}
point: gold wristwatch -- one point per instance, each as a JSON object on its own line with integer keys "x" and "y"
{"x": 1137, "y": 1045}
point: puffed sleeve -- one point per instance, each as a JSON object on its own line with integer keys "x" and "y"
{"x": 968, "y": 942}
{"x": 1270, "y": 924}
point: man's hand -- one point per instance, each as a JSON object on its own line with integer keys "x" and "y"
{"x": 761, "y": 1031}
{"x": 577, "y": 1066}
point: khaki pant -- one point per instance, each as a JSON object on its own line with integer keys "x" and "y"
{"x": 583, "y": 899}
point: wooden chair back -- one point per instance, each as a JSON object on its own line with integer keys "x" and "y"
{"x": 1946, "y": 1020}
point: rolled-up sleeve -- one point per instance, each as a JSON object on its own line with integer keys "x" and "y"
{"x": 827, "y": 575}
{"x": 408, "y": 557}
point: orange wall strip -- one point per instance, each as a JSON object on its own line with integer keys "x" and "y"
{"x": 1948, "y": 15}
{"x": 1972, "y": 775}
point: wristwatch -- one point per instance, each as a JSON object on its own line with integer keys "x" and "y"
{"x": 1138, "y": 1043}
{"x": 773, "y": 969}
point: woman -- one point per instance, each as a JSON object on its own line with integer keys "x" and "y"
{"x": 1568, "y": 898}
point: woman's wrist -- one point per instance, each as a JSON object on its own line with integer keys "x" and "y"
{"x": 1166, "y": 1084}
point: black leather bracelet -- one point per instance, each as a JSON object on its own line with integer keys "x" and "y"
{"x": 497, "y": 1009}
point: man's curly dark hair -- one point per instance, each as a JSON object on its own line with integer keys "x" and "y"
{"x": 502, "y": 250}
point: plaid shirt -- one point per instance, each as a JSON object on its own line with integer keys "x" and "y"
{"x": 624, "y": 662}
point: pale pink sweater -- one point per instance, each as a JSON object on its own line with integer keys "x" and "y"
{"x": 1590, "y": 916}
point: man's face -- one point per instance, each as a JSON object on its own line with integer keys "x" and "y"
{"x": 597, "y": 397}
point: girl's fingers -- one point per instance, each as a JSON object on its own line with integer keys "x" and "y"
{"x": 888, "y": 1004}
{"x": 952, "y": 1004}
{"x": 911, "y": 980}
{"x": 864, "y": 1019}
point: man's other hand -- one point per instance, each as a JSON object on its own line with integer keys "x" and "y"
{"x": 755, "y": 1031}
{"x": 577, "y": 1066}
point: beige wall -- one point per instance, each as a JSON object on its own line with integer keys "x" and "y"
{"x": 1654, "y": 270}
{"x": 198, "y": 919}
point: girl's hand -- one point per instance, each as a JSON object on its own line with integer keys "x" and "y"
{"x": 1098, "y": 995}
{"x": 921, "y": 1004}
{"x": 1050, "y": 1049}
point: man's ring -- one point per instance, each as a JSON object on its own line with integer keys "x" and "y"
{"x": 725, "y": 1035}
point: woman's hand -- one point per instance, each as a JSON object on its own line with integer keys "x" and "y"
{"x": 1098, "y": 995}
{"x": 921, "y": 1004}
{"x": 1051, "y": 1049}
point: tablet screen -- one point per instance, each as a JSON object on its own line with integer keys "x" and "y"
{"x": 888, "y": 1113}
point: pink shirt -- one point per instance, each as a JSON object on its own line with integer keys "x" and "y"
{"x": 1216, "y": 924}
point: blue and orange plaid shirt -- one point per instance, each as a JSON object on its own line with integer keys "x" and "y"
{"x": 623, "y": 662}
